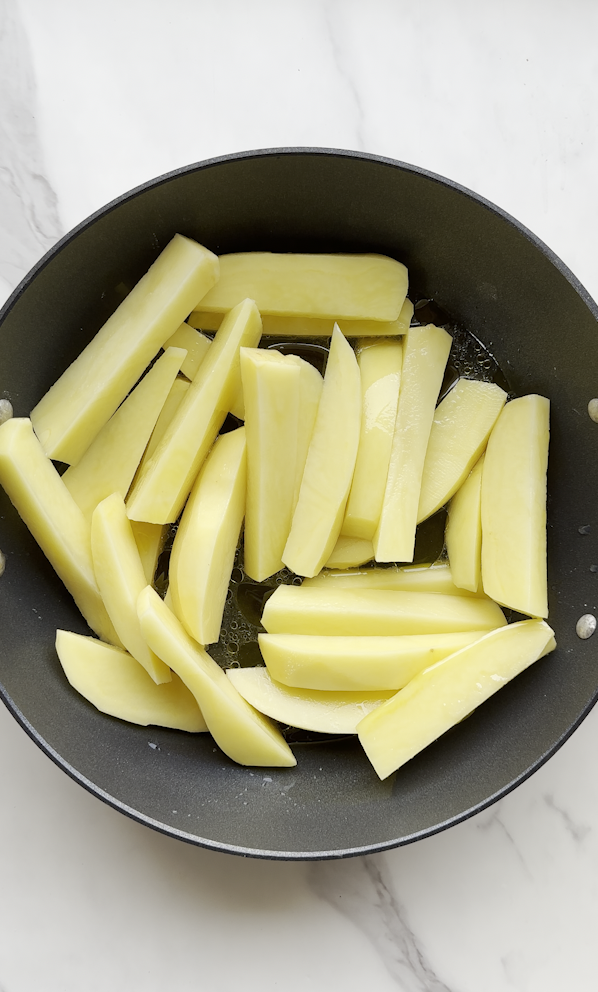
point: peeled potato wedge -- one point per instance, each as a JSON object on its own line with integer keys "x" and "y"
{"x": 116, "y": 684}
{"x": 121, "y": 578}
{"x": 301, "y": 610}
{"x": 514, "y": 507}
{"x": 380, "y": 365}
{"x": 460, "y": 430}
{"x": 313, "y": 327}
{"x": 163, "y": 485}
{"x": 77, "y": 406}
{"x": 110, "y": 462}
{"x": 309, "y": 709}
{"x": 204, "y": 547}
{"x": 240, "y": 731}
{"x": 349, "y": 552}
{"x": 463, "y": 533}
{"x": 425, "y": 354}
{"x": 410, "y": 578}
{"x": 194, "y": 343}
{"x": 45, "y": 505}
{"x": 441, "y": 696}
{"x": 363, "y": 287}
{"x": 343, "y": 663}
{"x": 329, "y": 467}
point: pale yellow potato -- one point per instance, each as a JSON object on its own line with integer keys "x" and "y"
{"x": 47, "y": 508}
{"x": 110, "y": 462}
{"x": 195, "y": 344}
{"x": 171, "y": 405}
{"x": 116, "y": 684}
{"x": 463, "y": 532}
{"x": 330, "y": 463}
{"x": 362, "y": 287}
{"x": 309, "y": 709}
{"x": 425, "y": 354}
{"x": 121, "y": 578}
{"x": 150, "y": 539}
{"x": 344, "y": 663}
{"x": 410, "y": 578}
{"x": 204, "y": 547}
{"x": 271, "y": 387}
{"x": 77, "y": 406}
{"x": 301, "y": 610}
{"x": 308, "y": 327}
{"x": 162, "y": 487}
{"x": 441, "y": 696}
{"x": 240, "y": 731}
{"x": 380, "y": 365}
{"x": 514, "y": 507}
{"x": 349, "y": 552}
{"x": 310, "y": 394}
{"x": 460, "y": 431}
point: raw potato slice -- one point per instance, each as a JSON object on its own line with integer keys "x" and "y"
{"x": 300, "y": 610}
{"x": 195, "y": 344}
{"x": 240, "y": 731}
{"x": 425, "y": 353}
{"x": 110, "y": 462}
{"x": 460, "y": 431}
{"x": 464, "y": 532}
{"x": 514, "y": 507}
{"x": 47, "y": 508}
{"x": 380, "y": 367}
{"x": 204, "y": 548}
{"x": 310, "y": 394}
{"x": 77, "y": 406}
{"x": 362, "y": 287}
{"x": 271, "y": 387}
{"x": 309, "y": 709}
{"x": 441, "y": 696}
{"x": 356, "y": 663}
{"x": 171, "y": 405}
{"x": 329, "y": 466}
{"x": 349, "y": 552}
{"x": 121, "y": 578}
{"x": 162, "y": 487}
{"x": 149, "y": 539}
{"x": 312, "y": 327}
{"x": 411, "y": 578}
{"x": 116, "y": 684}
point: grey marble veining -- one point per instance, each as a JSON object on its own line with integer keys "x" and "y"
{"x": 30, "y": 222}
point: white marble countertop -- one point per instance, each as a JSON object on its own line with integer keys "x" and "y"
{"x": 97, "y": 98}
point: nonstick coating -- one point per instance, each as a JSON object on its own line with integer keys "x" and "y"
{"x": 492, "y": 276}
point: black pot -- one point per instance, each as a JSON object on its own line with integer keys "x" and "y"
{"x": 494, "y": 278}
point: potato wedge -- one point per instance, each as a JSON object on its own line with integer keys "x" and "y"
{"x": 194, "y": 343}
{"x": 116, "y": 684}
{"x": 240, "y": 731}
{"x": 47, "y": 508}
{"x": 380, "y": 365}
{"x": 313, "y": 327}
{"x": 162, "y": 487}
{"x": 349, "y": 552}
{"x": 204, "y": 547}
{"x": 77, "y": 406}
{"x": 425, "y": 354}
{"x": 460, "y": 431}
{"x": 514, "y": 507}
{"x": 441, "y": 696}
{"x": 121, "y": 578}
{"x": 110, "y": 462}
{"x": 410, "y": 578}
{"x": 300, "y": 610}
{"x": 463, "y": 533}
{"x": 330, "y": 463}
{"x": 362, "y": 287}
{"x": 309, "y": 709}
{"x": 271, "y": 387}
{"x": 150, "y": 540}
{"x": 342, "y": 663}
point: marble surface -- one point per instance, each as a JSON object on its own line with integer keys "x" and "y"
{"x": 96, "y": 98}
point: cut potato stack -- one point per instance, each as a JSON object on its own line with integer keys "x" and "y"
{"x": 325, "y": 475}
